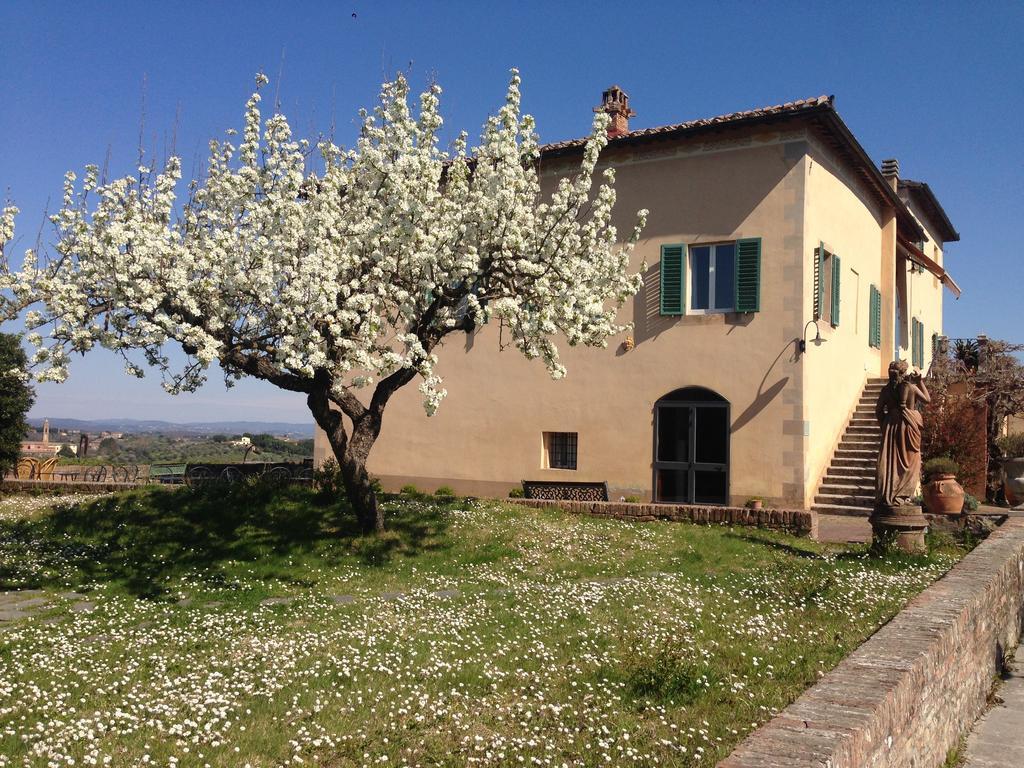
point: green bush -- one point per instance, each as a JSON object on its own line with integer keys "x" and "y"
{"x": 516, "y": 493}
{"x": 970, "y": 503}
{"x": 632, "y": 499}
{"x": 410, "y": 490}
{"x": 445, "y": 490}
{"x": 327, "y": 480}
{"x": 940, "y": 465}
{"x": 1011, "y": 445}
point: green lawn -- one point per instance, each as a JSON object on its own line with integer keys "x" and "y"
{"x": 471, "y": 634}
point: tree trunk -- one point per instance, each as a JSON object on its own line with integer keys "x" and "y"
{"x": 359, "y": 489}
{"x": 351, "y": 453}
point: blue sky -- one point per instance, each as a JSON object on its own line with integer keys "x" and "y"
{"x": 938, "y": 85}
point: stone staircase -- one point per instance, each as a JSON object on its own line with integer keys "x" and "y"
{"x": 848, "y": 487}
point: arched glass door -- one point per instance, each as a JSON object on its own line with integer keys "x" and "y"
{"x": 691, "y": 447}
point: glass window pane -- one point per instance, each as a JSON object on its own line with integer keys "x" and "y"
{"x": 672, "y": 485}
{"x": 700, "y": 264}
{"x": 673, "y": 434}
{"x": 709, "y": 487}
{"x": 712, "y": 435}
{"x": 725, "y": 276}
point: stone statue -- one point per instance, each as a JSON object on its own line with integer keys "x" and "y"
{"x": 896, "y": 520}
{"x": 899, "y": 457}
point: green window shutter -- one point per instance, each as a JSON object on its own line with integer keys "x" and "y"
{"x": 875, "y": 318}
{"x": 878, "y": 318}
{"x": 819, "y": 276}
{"x": 871, "y": 316}
{"x": 837, "y": 273}
{"x": 748, "y": 274}
{"x": 673, "y": 279}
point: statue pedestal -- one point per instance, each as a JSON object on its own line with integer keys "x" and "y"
{"x": 903, "y": 526}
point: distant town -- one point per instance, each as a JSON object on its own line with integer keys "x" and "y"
{"x": 84, "y": 442}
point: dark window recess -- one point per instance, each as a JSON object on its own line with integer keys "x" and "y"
{"x": 691, "y": 447}
{"x": 561, "y": 447}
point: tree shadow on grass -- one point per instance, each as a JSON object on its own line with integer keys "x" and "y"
{"x": 142, "y": 540}
{"x": 780, "y": 546}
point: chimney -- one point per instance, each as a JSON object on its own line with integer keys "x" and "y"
{"x": 891, "y": 171}
{"x": 615, "y": 102}
{"x": 46, "y": 430}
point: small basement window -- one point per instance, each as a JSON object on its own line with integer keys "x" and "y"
{"x": 560, "y": 450}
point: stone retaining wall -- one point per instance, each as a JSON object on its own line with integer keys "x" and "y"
{"x": 906, "y": 696}
{"x": 796, "y": 521}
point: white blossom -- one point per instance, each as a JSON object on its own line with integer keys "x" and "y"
{"x": 326, "y": 279}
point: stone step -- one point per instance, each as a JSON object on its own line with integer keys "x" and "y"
{"x": 837, "y": 488}
{"x": 863, "y": 429}
{"x": 864, "y": 421}
{"x": 859, "y": 437}
{"x": 856, "y": 452}
{"x": 845, "y": 501}
{"x": 863, "y": 464}
{"x": 851, "y": 473}
{"x": 838, "y": 509}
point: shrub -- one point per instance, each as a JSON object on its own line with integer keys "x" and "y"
{"x": 632, "y": 499}
{"x": 410, "y": 490}
{"x": 940, "y": 465}
{"x": 970, "y": 503}
{"x": 955, "y": 428}
{"x": 516, "y": 493}
{"x": 445, "y": 490}
{"x": 1011, "y": 445}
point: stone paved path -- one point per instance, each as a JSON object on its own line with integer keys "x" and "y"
{"x": 997, "y": 740}
{"x": 20, "y": 604}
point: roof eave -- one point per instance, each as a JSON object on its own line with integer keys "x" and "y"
{"x": 932, "y": 207}
{"x": 824, "y": 110}
{"x": 871, "y": 175}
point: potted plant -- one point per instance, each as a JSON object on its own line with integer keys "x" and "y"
{"x": 1012, "y": 448}
{"x": 943, "y": 495}
{"x": 755, "y": 503}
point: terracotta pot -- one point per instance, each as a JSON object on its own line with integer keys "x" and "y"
{"x": 943, "y": 495}
{"x": 1013, "y": 480}
{"x": 756, "y": 504}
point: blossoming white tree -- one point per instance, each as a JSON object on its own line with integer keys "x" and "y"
{"x": 333, "y": 281}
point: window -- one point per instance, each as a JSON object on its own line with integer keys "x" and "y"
{"x": 916, "y": 343}
{"x": 560, "y": 449}
{"x": 828, "y": 272}
{"x": 713, "y": 278}
{"x": 717, "y": 277}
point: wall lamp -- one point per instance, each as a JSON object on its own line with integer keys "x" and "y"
{"x": 818, "y": 341}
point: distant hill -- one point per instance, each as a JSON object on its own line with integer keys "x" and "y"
{"x": 142, "y": 426}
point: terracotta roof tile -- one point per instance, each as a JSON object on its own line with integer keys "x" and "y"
{"x": 789, "y": 107}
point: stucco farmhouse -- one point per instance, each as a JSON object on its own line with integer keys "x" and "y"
{"x": 785, "y": 271}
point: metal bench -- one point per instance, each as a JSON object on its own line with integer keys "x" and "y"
{"x": 561, "y": 490}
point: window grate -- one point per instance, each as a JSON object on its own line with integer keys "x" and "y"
{"x": 562, "y": 449}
